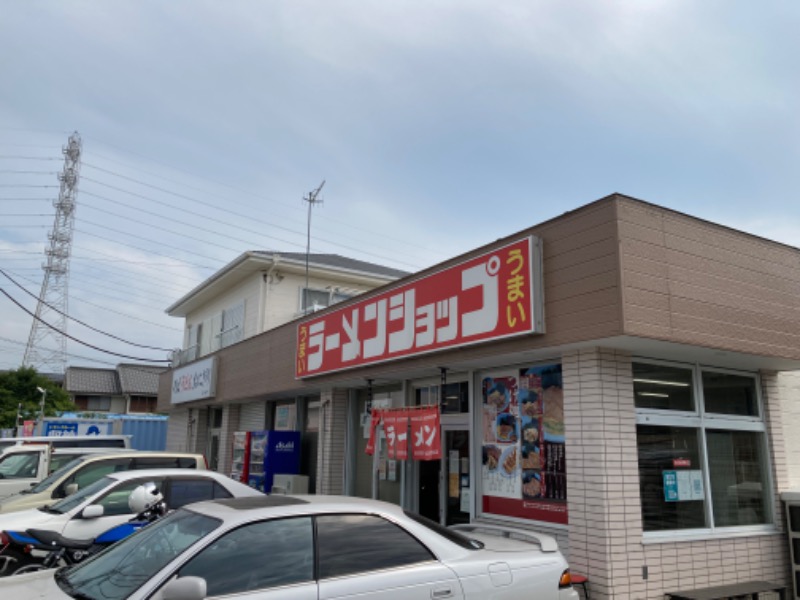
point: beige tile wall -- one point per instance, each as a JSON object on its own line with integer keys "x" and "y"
{"x": 331, "y": 447}
{"x": 604, "y": 506}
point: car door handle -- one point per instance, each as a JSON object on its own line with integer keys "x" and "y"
{"x": 442, "y": 593}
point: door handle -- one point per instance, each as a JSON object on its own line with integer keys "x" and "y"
{"x": 442, "y": 593}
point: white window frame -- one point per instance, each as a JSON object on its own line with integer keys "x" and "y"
{"x": 702, "y": 421}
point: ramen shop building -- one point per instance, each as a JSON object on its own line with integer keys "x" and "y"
{"x": 623, "y": 377}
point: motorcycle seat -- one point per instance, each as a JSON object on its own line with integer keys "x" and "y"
{"x": 55, "y": 539}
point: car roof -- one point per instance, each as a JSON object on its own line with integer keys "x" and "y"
{"x": 246, "y": 509}
{"x": 127, "y": 452}
{"x": 167, "y": 472}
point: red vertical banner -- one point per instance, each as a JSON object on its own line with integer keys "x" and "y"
{"x": 390, "y": 429}
{"x": 401, "y": 427}
{"x": 426, "y": 434}
{"x": 376, "y": 418}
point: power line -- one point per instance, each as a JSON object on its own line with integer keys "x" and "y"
{"x": 111, "y": 335}
{"x": 73, "y": 338}
{"x": 111, "y": 310}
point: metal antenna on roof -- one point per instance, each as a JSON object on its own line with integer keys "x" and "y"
{"x": 312, "y": 200}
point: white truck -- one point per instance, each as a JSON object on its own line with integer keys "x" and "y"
{"x": 24, "y": 465}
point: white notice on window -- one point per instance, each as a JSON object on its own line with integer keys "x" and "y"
{"x": 697, "y": 485}
{"x": 690, "y": 485}
{"x": 684, "y": 485}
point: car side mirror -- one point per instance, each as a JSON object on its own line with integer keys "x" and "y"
{"x": 92, "y": 511}
{"x": 185, "y": 588}
{"x": 70, "y": 489}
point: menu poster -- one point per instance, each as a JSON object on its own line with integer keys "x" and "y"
{"x": 524, "y": 465}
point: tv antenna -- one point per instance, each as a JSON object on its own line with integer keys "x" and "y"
{"x": 312, "y": 199}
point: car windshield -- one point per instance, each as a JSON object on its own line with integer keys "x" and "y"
{"x": 16, "y": 466}
{"x": 121, "y": 569}
{"x": 55, "y": 476}
{"x": 76, "y": 499}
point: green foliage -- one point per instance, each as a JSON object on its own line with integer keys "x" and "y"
{"x": 19, "y": 387}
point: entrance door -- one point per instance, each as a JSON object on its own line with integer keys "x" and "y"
{"x": 444, "y": 486}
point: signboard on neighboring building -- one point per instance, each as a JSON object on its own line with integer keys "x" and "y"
{"x": 72, "y": 428}
{"x": 488, "y": 297}
{"x": 195, "y": 381}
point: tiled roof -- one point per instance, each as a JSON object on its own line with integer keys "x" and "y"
{"x": 139, "y": 380}
{"x": 84, "y": 380}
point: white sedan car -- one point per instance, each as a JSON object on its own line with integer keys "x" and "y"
{"x": 308, "y": 548}
{"x": 104, "y": 504}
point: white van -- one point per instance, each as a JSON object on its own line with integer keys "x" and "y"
{"x": 23, "y": 465}
{"x": 69, "y": 441}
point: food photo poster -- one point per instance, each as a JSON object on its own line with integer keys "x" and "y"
{"x": 523, "y": 452}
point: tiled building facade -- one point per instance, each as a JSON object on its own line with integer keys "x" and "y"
{"x": 627, "y": 288}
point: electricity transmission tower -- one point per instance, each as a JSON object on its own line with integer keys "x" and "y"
{"x": 47, "y": 346}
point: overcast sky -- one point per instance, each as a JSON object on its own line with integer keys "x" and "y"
{"x": 437, "y": 127}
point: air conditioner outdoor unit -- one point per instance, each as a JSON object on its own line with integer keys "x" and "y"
{"x": 289, "y": 484}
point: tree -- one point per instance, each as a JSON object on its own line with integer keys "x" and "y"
{"x": 19, "y": 387}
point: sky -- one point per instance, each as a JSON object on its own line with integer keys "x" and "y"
{"x": 437, "y": 127}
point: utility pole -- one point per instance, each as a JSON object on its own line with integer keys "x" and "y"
{"x": 52, "y": 306}
{"x": 312, "y": 200}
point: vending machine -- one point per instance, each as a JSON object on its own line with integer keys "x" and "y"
{"x": 280, "y": 454}
{"x": 248, "y": 455}
{"x": 240, "y": 456}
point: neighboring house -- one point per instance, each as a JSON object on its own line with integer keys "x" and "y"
{"x": 130, "y": 388}
{"x": 259, "y": 291}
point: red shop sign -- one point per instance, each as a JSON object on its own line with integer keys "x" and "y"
{"x": 492, "y": 296}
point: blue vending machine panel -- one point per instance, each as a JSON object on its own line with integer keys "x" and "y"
{"x": 281, "y": 455}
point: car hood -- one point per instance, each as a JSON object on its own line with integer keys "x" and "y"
{"x": 30, "y": 519}
{"x": 32, "y": 586}
{"x": 17, "y": 502}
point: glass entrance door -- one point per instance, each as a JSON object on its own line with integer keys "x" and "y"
{"x": 456, "y": 475}
{"x": 444, "y": 485}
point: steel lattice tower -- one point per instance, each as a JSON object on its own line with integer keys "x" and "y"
{"x": 47, "y": 346}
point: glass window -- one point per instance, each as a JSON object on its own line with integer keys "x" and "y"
{"x": 24, "y": 465}
{"x": 257, "y": 556}
{"x": 115, "y": 502}
{"x": 729, "y": 394}
{"x": 93, "y": 471}
{"x": 455, "y": 400}
{"x": 121, "y": 569}
{"x": 186, "y": 491}
{"x": 737, "y": 466}
{"x": 314, "y": 299}
{"x": 351, "y": 544}
{"x": 163, "y": 462}
{"x": 76, "y": 499}
{"x": 680, "y": 452}
{"x": 662, "y": 387}
{"x": 664, "y": 451}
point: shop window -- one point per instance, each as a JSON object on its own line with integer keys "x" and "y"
{"x": 730, "y": 394}
{"x": 455, "y": 400}
{"x": 663, "y": 387}
{"x": 704, "y": 465}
